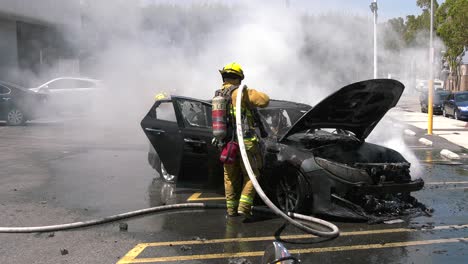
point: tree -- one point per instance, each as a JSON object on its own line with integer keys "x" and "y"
{"x": 452, "y": 18}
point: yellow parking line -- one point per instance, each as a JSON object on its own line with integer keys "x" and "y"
{"x": 299, "y": 251}
{"x": 196, "y": 197}
{"x": 289, "y": 237}
{"x": 449, "y": 182}
{"x": 377, "y": 246}
{"x": 131, "y": 256}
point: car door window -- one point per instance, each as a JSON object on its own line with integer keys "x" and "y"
{"x": 195, "y": 114}
{"x": 85, "y": 84}
{"x": 461, "y": 98}
{"x": 63, "y": 84}
{"x": 164, "y": 111}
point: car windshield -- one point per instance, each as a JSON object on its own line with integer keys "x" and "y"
{"x": 463, "y": 97}
{"x": 440, "y": 97}
{"x": 279, "y": 120}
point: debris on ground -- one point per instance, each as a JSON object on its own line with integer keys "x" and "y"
{"x": 239, "y": 261}
{"x": 395, "y": 221}
{"x": 197, "y": 238}
{"x": 123, "y": 226}
{"x": 64, "y": 251}
{"x": 51, "y": 234}
{"x": 185, "y": 248}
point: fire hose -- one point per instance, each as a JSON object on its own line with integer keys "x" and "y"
{"x": 289, "y": 217}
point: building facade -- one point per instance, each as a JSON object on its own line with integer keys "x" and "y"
{"x": 37, "y": 39}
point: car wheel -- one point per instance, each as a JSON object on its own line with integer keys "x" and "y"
{"x": 165, "y": 175}
{"x": 423, "y": 109}
{"x": 15, "y": 117}
{"x": 291, "y": 193}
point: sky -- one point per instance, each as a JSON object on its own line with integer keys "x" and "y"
{"x": 387, "y": 8}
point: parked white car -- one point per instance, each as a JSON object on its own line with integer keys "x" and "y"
{"x": 423, "y": 85}
{"x": 70, "y": 94}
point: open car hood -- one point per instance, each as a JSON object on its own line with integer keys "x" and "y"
{"x": 357, "y": 107}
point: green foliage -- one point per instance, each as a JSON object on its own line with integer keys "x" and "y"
{"x": 452, "y": 18}
{"x": 414, "y": 30}
{"x": 426, "y": 4}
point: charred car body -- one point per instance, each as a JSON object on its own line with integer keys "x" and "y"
{"x": 316, "y": 159}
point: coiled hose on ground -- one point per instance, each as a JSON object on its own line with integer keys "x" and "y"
{"x": 288, "y": 217}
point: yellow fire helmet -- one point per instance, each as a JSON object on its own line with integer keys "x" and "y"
{"x": 233, "y": 68}
{"x": 161, "y": 96}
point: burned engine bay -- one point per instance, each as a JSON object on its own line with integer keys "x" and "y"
{"x": 356, "y": 180}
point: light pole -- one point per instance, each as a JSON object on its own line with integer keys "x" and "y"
{"x": 374, "y": 9}
{"x": 430, "y": 97}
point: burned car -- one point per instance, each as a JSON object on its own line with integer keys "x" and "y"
{"x": 316, "y": 159}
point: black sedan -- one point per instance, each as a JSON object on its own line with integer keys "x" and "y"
{"x": 456, "y": 105}
{"x": 316, "y": 159}
{"x": 18, "y": 105}
{"x": 439, "y": 97}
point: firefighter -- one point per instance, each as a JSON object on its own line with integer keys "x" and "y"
{"x": 239, "y": 190}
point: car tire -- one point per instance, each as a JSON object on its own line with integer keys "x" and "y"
{"x": 291, "y": 192}
{"x": 165, "y": 176}
{"x": 15, "y": 117}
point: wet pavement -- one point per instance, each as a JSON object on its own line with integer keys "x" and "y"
{"x": 60, "y": 172}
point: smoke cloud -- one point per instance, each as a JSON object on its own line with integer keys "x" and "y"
{"x": 140, "y": 49}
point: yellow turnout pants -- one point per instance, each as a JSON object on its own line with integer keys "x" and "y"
{"x": 238, "y": 188}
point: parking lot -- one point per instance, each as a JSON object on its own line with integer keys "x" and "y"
{"x": 64, "y": 171}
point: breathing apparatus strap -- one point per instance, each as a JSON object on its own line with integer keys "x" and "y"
{"x": 231, "y": 123}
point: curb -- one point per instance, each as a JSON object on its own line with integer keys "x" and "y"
{"x": 409, "y": 132}
{"x": 449, "y": 154}
{"x": 425, "y": 142}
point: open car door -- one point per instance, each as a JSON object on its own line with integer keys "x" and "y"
{"x": 200, "y": 159}
{"x": 161, "y": 127}
{"x": 180, "y": 131}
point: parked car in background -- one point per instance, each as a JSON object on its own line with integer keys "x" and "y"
{"x": 439, "y": 97}
{"x": 18, "y": 104}
{"x": 456, "y": 105}
{"x": 315, "y": 159}
{"x": 422, "y": 85}
{"x": 69, "y": 94}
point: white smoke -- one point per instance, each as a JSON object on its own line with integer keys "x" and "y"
{"x": 139, "y": 49}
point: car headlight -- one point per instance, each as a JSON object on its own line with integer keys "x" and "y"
{"x": 463, "y": 108}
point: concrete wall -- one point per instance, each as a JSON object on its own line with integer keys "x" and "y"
{"x": 8, "y": 49}
{"x": 57, "y": 12}
{"x": 32, "y": 27}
